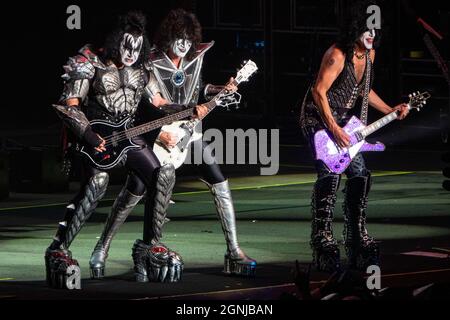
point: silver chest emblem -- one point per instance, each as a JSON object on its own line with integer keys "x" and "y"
{"x": 178, "y": 78}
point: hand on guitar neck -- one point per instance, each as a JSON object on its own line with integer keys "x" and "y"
{"x": 231, "y": 86}
{"x": 202, "y": 111}
{"x": 402, "y": 111}
{"x": 343, "y": 139}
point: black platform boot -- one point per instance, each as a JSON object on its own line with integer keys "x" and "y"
{"x": 325, "y": 247}
{"x": 362, "y": 250}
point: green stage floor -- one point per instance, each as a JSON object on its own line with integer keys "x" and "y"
{"x": 407, "y": 211}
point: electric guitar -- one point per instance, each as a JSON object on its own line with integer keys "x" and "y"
{"x": 338, "y": 159}
{"x": 189, "y": 131}
{"x": 118, "y": 136}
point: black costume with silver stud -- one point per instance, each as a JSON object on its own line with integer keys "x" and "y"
{"x": 361, "y": 249}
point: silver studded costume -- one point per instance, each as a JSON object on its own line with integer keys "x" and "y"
{"x": 122, "y": 207}
{"x": 108, "y": 93}
{"x": 183, "y": 86}
{"x": 179, "y": 85}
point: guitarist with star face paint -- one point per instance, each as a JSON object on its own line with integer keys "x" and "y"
{"x": 345, "y": 75}
{"x": 177, "y": 61}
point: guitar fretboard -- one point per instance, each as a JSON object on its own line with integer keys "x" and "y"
{"x": 193, "y": 123}
{"x": 377, "y": 125}
{"x": 148, "y": 127}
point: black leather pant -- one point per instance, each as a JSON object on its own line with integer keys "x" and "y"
{"x": 141, "y": 165}
{"x": 209, "y": 171}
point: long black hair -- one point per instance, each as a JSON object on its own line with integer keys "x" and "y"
{"x": 179, "y": 24}
{"x": 354, "y": 25}
{"x": 134, "y": 23}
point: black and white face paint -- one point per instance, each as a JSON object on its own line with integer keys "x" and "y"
{"x": 130, "y": 48}
{"x": 181, "y": 47}
{"x": 367, "y": 39}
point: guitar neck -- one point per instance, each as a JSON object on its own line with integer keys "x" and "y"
{"x": 148, "y": 127}
{"x": 377, "y": 125}
{"x": 211, "y": 105}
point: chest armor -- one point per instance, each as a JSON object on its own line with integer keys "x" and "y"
{"x": 179, "y": 85}
{"x": 119, "y": 90}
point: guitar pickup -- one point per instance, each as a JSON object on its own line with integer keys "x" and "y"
{"x": 359, "y": 137}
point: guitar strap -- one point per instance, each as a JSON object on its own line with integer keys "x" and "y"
{"x": 365, "y": 103}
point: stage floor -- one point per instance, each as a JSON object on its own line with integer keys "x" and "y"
{"x": 409, "y": 213}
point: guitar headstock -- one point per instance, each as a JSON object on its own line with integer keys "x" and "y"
{"x": 418, "y": 100}
{"x": 248, "y": 69}
{"x": 229, "y": 99}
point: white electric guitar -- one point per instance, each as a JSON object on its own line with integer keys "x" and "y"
{"x": 189, "y": 131}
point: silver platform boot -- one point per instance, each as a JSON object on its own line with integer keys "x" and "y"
{"x": 58, "y": 258}
{"x": 236, "y": 261}
{"x": 121, "y": 209}
{"x": 154, "y": 261}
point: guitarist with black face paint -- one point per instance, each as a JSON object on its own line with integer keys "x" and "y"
{"x": 107, "y": 85}
{"x": 177, "y": 61}
{"x": 346, "y": 73}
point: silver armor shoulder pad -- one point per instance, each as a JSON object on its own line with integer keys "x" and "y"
{"x": 92, "y": 57}
{"x": 78, "y": 68}
{"x": 83, "y": 65}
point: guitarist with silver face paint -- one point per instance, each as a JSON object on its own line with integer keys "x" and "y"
{"x": 346, "y": 73}
{"x": 177, "y": 63}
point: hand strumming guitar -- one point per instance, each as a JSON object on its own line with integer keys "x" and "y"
{"x": 168, "y": 139}
{"x": 340, "y": 136}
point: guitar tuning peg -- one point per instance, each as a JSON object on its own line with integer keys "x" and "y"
{"x": 414, "y": 94}
{"x": 425, "y": 102}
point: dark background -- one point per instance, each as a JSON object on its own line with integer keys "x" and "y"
{"x": 286, "y": 38}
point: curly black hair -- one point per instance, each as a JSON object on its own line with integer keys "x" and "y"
{"x": 177, "y": 25}
{"x": 134, "y": 23}
{"x": 355, "y": 24}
